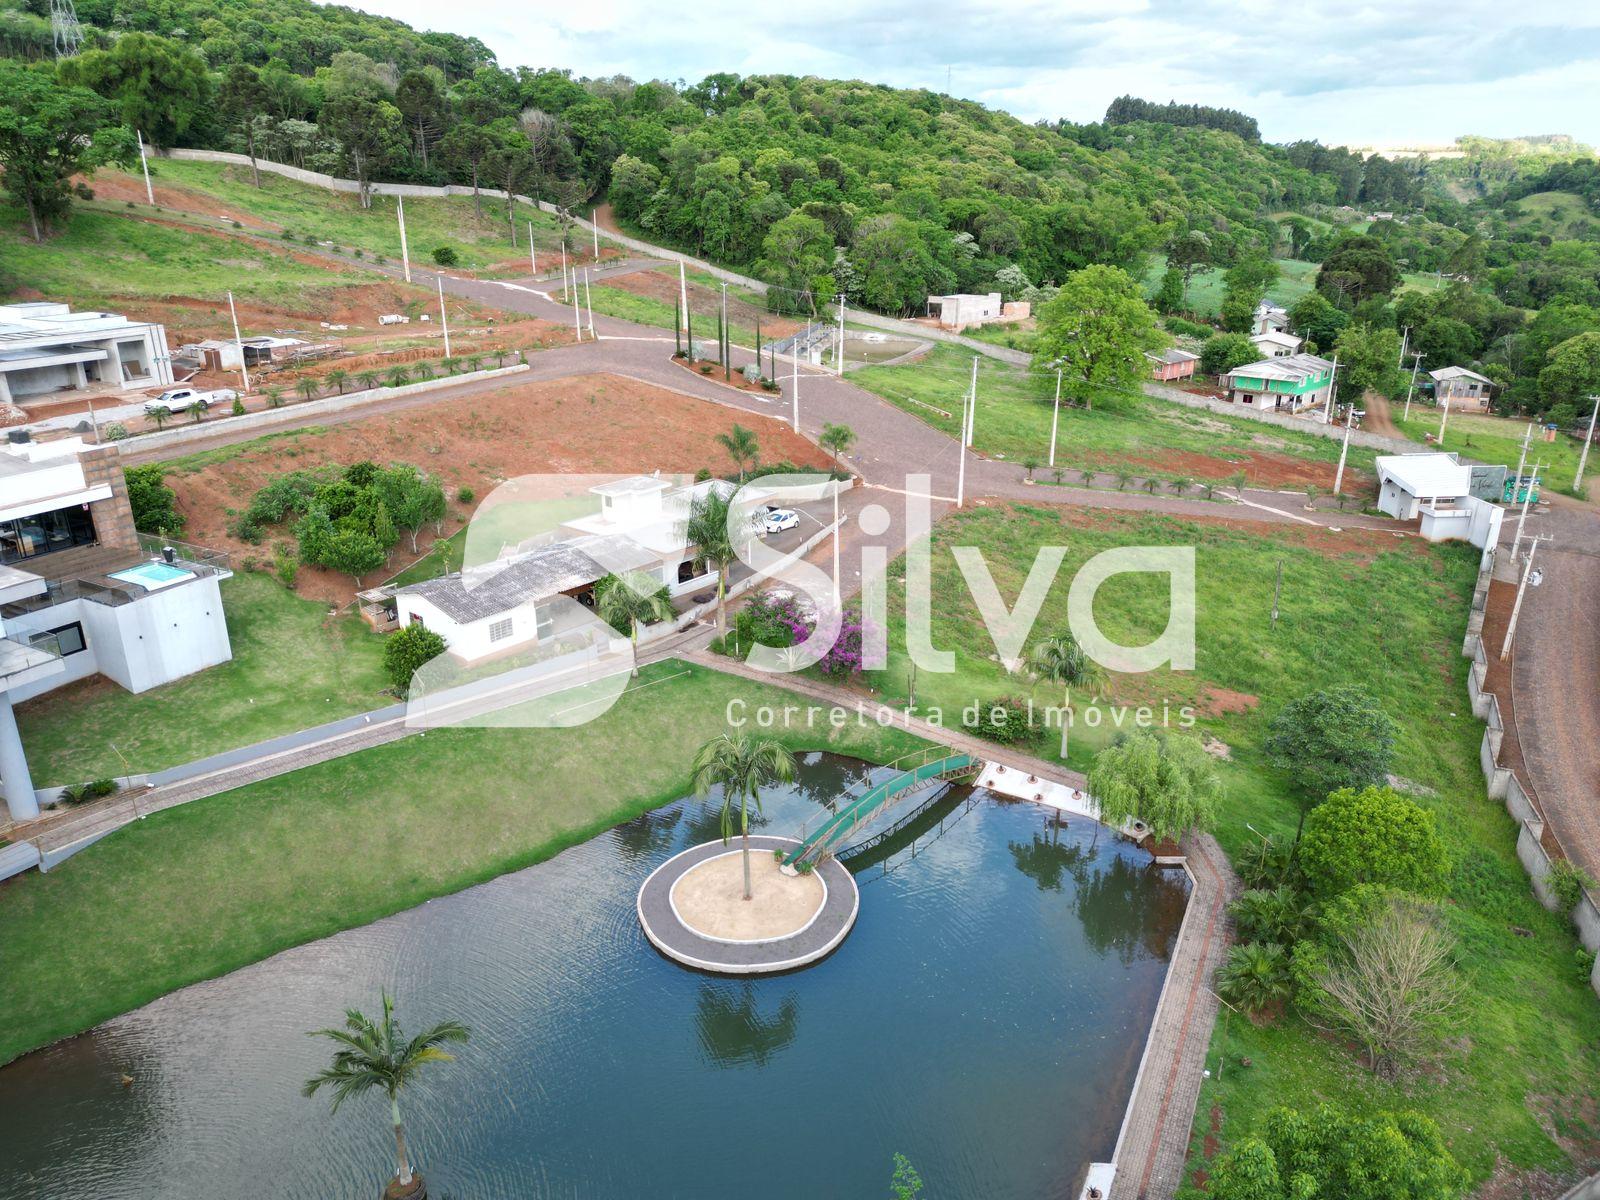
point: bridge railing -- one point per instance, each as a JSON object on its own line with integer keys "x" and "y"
{"x": 909, "y": 770}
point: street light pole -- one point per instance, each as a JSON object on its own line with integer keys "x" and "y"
{"x": 1516, "y": 609}
{"x": 533, "y": 258}
{"x": 149, "y": 192}
{"x": 961, "y": 455}
{"x": 444, "y": 317}
{"x": 1055, "y": 418}
{"x": 405, "y": 250}
{"x": 1416, "y": 361}
{"x": 972, "y": 421}
{"x": 1405, "y": 342}
{"x": 239, "y": 342}
{"x": 1522, "y": 516}
{"x": 1444, "y": 416}
{"x": 839, "y": 355}
{"x": 1349, "y": 421}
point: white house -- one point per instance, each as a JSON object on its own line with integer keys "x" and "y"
{"x": 1464, "y": 390}
{"x": 1436, "y": 490}
{"x": 965, "y": 308}
{"x": 79, "y": 585}
{"x": 1275, "y": 344}
{"x": 46, "y": 349}
{"x": 1269, "y": 318}
{"x": 527, "y": 599}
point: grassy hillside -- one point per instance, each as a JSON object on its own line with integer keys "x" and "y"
{"x": 1559, "y": 215}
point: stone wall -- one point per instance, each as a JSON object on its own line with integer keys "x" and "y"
{"x": 113, "y": 518}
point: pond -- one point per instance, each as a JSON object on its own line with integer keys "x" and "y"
{"x": 984, "y": 1018}
{"x": 873, "y": 348}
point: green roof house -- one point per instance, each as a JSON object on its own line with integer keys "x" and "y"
{"x": 1289, "y": 383}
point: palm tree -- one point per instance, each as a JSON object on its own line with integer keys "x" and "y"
{"x": 835, "y": 439}
{"x": 626, "y": 602}
{"x": 1124, "y": 478}
{"x": 1237, "y": 479}
{"x": 1061, "y": 660}
{"x": 369, "y": 379}
{"x": 307, "y": 387}
{"x": 274, "y": 396}
{"x": 339, "y": 377}
{"x": 376, "y": 1054}
{"x": 1312, "y": 492}
{"x": 423, "y": 368}
{"x": 707, "y": 530}
{"x": 451, "y": 365}
{"x": 1030, "y": 465}
{"x": 741, "y": 763}
{"x": 474, "y": 362}
{"x": 1181, "y": 484}
{"x": 740, "y": 444}
{"x": 1255, "y": 976}
{"x": 398, "y": 376}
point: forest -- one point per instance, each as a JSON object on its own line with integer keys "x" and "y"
{"x": 828, "y": 187}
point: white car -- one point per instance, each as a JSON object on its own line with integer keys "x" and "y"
{"x": 179, "y": 400}
{"x": 779, "y": 519}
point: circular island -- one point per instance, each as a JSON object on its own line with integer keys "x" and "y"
{"x": 692, "y": 909}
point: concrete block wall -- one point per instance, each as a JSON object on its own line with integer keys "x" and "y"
{"x": 113, "y": 517}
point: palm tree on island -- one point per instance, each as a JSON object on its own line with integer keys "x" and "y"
{"x": 377, "y": 1055}
{"x": 742, "y": 764}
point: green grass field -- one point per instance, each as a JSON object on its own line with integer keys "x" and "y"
{"x": 293, "y": 666}
{"x": 1295, "y": 279}
{"x": 480, "y": 235}
{"x": 197, "y": 891}
{"x": 1560, "y": 215}
{"x": 1493, "y": 439}
{"x": 1388, "y": 617}
{"x": 1014, "y": 413}
{"x": 99, "y": 254}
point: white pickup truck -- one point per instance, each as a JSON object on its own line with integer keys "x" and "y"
{"x": 181, "y": 399}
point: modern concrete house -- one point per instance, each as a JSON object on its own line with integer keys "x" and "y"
{"x": 46, "y": 350}
{"x": 1288, "y": 384}
{"x": 1273, "y": 344}
{"x": 1269, "y": 318}
{"x": 1171, "y": 364}
{"x": 1436, "y": 491}
{"x": 1464, "y": 390}
{"x": 80, "y": 586}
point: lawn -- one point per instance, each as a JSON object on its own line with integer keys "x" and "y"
{"x": 99, "y": 254}
{"x": 1145, "y": 434}
{"x": 479, "y": 238}
{"x": 1493, "y": 439}
{"x": 1356, "y": 608}
{"x": 293, "y": 666}
{"x": 1295, "y": 279}
{"x": 197, "y": 891}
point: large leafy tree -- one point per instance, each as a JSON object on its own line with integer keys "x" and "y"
{"x": 370, "y": 132}
{"x": 241, "y": 98}
{"x": 1358, "y": 267}
{"x": 1374, "y": 835}
{"x": 1337, "y": 737}
{"x": 741, "y": 764}
{"x": 796, "y": 255}
{"x": 1097, "y": 329}
{"x": 1573, "y": 370}
{"x": 1368, "y": 361}
{"x": 376, "y": 1056}
{"x": 160, "y": 85}
{"x": 49, "y": 133}
{"x": 1168, "y": 782}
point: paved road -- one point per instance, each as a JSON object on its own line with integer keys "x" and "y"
{"x": 1556, "y": 677}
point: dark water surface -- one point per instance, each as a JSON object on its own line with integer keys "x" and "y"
{"x": 985, "y": 1018}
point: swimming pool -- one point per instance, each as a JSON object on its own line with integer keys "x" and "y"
{"x": 153, "y": 575}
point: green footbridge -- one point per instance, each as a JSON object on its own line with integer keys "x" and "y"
{"x": 912, "y": 772}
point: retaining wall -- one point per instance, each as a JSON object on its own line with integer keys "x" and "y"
{"x": 272, "y": 417}
{"x": 423, "y": 191}
{"x": 1504, "y": 785}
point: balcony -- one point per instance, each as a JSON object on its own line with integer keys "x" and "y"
{"x": 114, "y": 575}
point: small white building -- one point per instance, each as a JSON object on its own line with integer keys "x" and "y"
{"x": 1269, "y": 318}
{"x": 48, "y": 350}
{"x": 964, "y": 308}
{"x": 81, "y": 587}
{"x": 1436, "y": 490}
{"x": 1275, "y": 344}
{"x": 1463, "y": 390}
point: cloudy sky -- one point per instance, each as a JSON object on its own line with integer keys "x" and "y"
{"x": 1382, "y": 72}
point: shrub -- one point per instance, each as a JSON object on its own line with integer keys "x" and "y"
{"x": 1566, "y": 883}
{"x": 751, "y": 373}
{"x": 284, "y": 564}
{"x": 74, "y": 793}
{"x": 446, "y": 256}
{"x": 1222, "y": 352}
{"x": 705, "y": 368}
{"x": 1374, "y": 835}
{"x": 1007, "y": 720}
{"x": 359, "y": 253}
{"x": 115, "y": 431}
{"x": 152, "y": 500}
{"x": 770, "y": 385}
{"x": 238, "y": 407}
{"x": 101, "y": 788}
{"x": 1185, "y": 328}
{"x": 406, "y": 650}
{"x": 1255, "y": 976}
{"x": 772, "y": 620}
{"x": 465, "y": 495}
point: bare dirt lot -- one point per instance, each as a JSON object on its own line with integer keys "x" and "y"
{"x": 1261, "y": 468}
{"x": 587, "y": 423}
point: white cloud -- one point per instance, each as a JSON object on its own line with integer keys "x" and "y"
{"x": 1376, "y": 72}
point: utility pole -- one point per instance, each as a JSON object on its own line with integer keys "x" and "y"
{"x": 1405, "y": 342}
{"x": 839, "y": 355}
{"x": 1333, "y": 392}
{"x": 577, "y": 314}
{"x": 1516, "y": 609}
{"x": 1344, "y": 449}
{"x": 533, "y": 259}
{"x": 1055, "y": 418}
{"x": 683, "y": 294}
{"x": 239, "y": 342}
{"x": 588, "y": 300}
{"x": 1583, "y": 458}
{"x": 563, "y": 267}
{"x": 595, "y": 226}
{"x": 149, "y": 192}
{"x": 794, "y": 384}
{"x": 405, "y": 251}
{"x": 1522, "y": 461}
{"x": 836, "y": 593}
{"x": 1522, "y": 516}
{"x": 1444, "y": 416}
{"x": 1416, "y": 361}
{"x": 972, "y": 421}
{"x": 726, "y": 349}
{"x": 444, "y": 317}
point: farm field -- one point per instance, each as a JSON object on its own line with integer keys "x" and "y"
{"x": 1140, "y": 433}
{"x": 1511, "y": 1086}
{"x": 1295, "y": 279}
